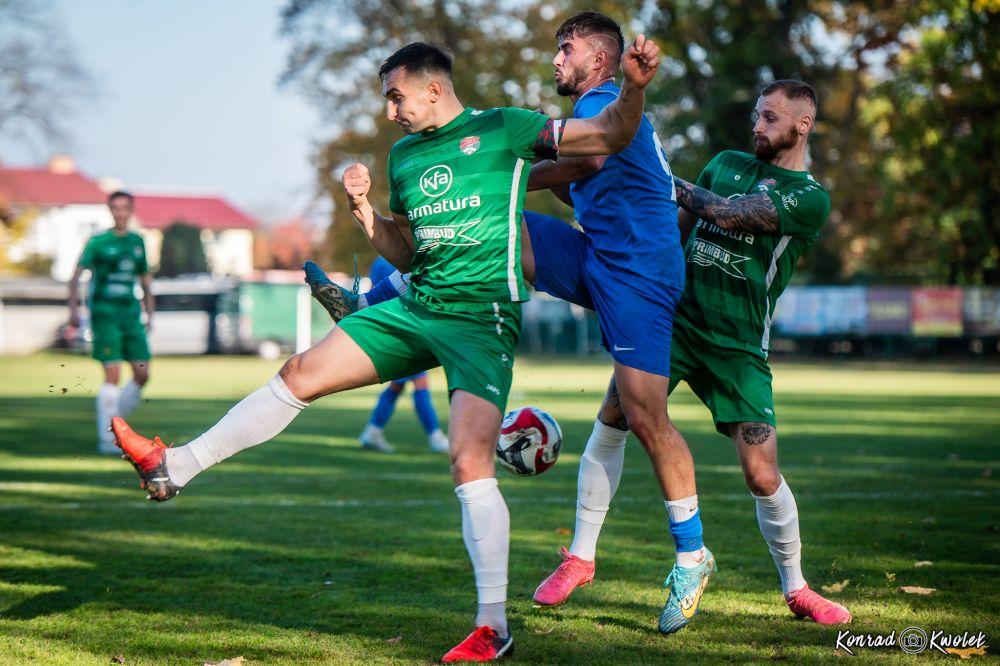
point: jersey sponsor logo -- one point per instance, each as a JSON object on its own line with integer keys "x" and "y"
{"x": 469, "y": 144}
{"x": 429, "y": 237}
{"x": 444, "y": 206}
{"x": 709, "y": 254}
{"x": 436, "y": 180}
{"x": 744, "y": 236}
{"x": 789, "y": 201}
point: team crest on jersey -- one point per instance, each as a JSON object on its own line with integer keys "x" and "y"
{"x": 469, "y": 144}
{"x": 765, "y": 184}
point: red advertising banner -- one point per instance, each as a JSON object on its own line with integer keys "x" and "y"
{"x": 937, "y": 312}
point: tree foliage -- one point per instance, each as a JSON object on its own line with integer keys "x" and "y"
{"x": 182, "y": 251}
{"x": 41, "y": 77}
{"x": 907, "y": 120}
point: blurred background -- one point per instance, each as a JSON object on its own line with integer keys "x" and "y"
{"x": 231, "y": 121}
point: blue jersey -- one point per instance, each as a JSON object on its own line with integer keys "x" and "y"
{"x": 380, "y": 270}
{"x": 628, "y": 208}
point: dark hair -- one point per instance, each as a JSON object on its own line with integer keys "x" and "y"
{"x": 117, "y": 194}
{"x": 793, "y": 89}
{"x": 587, "y": 24}
{"x": 417, "y": 58}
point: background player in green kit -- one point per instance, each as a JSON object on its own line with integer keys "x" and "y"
{"x": 116, "y": 258}
{"x": 747, "y": 221}
{"x": 457, "y": 183}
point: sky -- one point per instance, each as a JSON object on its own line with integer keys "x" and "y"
{"x": 188, "y": 100}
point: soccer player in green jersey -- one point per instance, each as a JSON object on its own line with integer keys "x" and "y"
{"x": 116, "y": 259}
{"x": 748, "y": 220}
{"x": 456, "y": 182}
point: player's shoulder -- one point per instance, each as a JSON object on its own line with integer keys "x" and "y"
{"x": 734, "y": 158}
{"x": 596, "y": 98}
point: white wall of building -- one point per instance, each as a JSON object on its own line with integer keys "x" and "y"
{"x": 229, "y": 252}
{"x": 60, "y": 233}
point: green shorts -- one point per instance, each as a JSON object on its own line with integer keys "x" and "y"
{"x": 118, "y": 336}
{"x": 731, "y": 379}
{"x": 473, "y": 342}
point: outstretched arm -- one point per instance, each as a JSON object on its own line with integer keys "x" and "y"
{"x": 752, "y": 212}
{"x": 388, "y": 235}
{"x": 613, "y": 129}
{"x": 565, "y": 170}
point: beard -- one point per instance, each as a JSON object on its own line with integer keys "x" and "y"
{"x": 766, "y": 151}
{"x": 570, "y": 82}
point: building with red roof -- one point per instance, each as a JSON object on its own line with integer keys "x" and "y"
{"x": 48, "y": 213}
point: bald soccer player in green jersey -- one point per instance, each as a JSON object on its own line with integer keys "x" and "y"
{"x": 748, "y": 220}
{"x": 116, "y": 259}
{"x": 457, "y": 183}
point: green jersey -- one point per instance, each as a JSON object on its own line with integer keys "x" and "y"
{"x": 461, "y": 187}
{"x": 734, "y": 278}
{"x": 115, "y": 262}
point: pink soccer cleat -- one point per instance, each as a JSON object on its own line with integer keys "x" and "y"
{"x": 571, "y": 574}
{"x": 806, "y": 603}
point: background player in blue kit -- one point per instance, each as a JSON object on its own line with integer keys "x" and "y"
{"x": 628, "y": 267}
{"x": 373, "y": 436}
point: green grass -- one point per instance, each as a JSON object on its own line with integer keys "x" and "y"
{"x": 309, "y": 550}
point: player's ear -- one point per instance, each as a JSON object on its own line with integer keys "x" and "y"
{"x": 805, "y": 123}
{"x": 434, "y": 90}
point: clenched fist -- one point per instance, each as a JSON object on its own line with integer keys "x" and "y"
{"x": 640, "y": 61}
{"x": 356, "y": 184}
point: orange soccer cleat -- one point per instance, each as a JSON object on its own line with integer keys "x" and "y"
{"x": 149, "y": 458}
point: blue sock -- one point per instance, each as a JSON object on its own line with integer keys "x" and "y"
{"x": 381, "y": 291}
{"x": 687, "y": 534}
{"x": 425, "y": 410}
{"x": 384, "y": 407}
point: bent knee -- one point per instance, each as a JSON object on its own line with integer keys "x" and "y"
{"x": 763, "y": 481}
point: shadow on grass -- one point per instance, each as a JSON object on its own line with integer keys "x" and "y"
{"x": 344, "y": 543}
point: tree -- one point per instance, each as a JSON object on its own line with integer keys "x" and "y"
{"x": 41, "y": 78}
{"x": 502, "y": 56}
{"x": 182, "y": 251}
{"x": 937, "y": 124}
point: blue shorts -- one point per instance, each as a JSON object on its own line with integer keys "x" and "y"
{"x": 636, "y": 315}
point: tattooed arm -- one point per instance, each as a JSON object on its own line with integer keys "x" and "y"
{"x": 752, "y": 212}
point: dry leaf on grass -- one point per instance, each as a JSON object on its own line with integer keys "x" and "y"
{"x": 395, "y": 640}
{"x": 966, "y": 653}
{"x": 235, "y": 661}
{"x": 564, "y": 531}
{"x": 543, "y": 632}
{"x": 836, "y": 587}
{"x": 913, "y": 589}
{"x": 118, "y": 659}
{"x": 923, "y": 563}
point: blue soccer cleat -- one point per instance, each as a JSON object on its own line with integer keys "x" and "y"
{"x": 337, "y": 301}
{"x": 686, "y": 587}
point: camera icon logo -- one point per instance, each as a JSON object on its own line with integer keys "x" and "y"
{"x": 913, "y": 640}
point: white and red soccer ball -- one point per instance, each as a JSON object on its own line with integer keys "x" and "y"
{"x": 529, "y": 442}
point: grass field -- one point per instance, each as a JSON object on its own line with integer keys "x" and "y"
{"x": 308, "y": 550}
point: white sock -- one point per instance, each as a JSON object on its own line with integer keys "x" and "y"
{"x": 129, "y": 398}
{"x": 252, "y": 421}
{"x": 600, "y": 471}
{"x": 486, "y": 532}
{"x": 778, "y": 518}
{"x": 107, "y": 406}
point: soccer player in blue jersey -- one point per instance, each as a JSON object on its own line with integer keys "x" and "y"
{"x": 627, "y": 265}
{"x": 373, "y": 436}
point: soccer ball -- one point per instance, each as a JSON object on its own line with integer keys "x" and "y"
{"x": 529, "y": 441}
